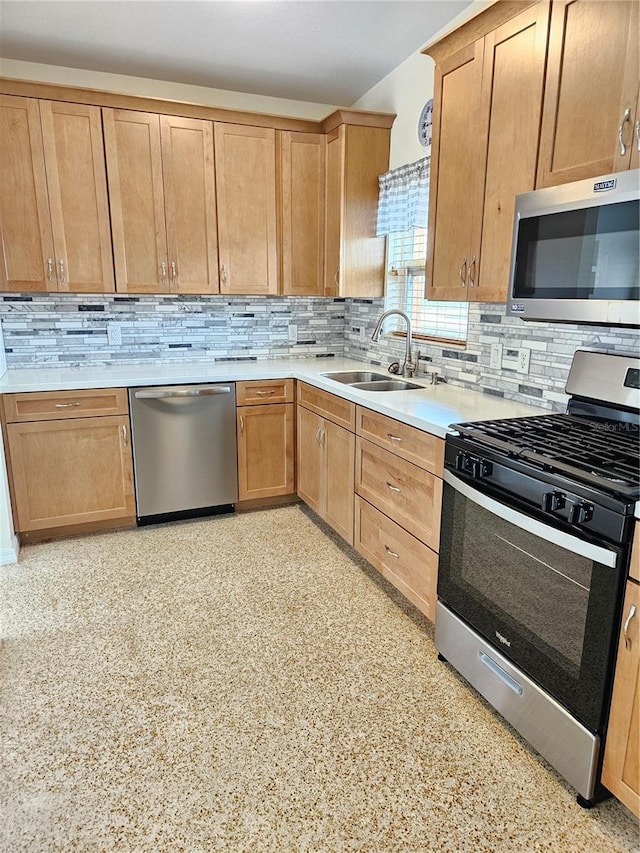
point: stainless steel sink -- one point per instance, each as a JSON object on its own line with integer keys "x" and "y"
{"x": 386, "y": 385}
{"x": 350, "y": 377}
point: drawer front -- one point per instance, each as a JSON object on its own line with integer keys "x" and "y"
{"x": 340, "y": 411}
{"x": 254, "y": 393}
{"x": 407, "y": 494}
{"x": 421, "y": 448}
{"x": 55, "y": 405}
{"x": 402, "y": 559}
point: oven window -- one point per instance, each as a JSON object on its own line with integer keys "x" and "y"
{"x": 553, "y": 613}
{"x": 591, "y": 253}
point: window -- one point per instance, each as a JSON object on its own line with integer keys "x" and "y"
{"x": 404, "y": 289}
{"x": 402, "y": 217}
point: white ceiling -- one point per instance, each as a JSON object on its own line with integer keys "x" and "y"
{"x": 332, "y": 51}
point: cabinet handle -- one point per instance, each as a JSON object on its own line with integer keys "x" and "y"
{"x": 632, "y": 613}
{"x": 638, "y": 134}
{"x": 318, "y": 431}
{"x": 463, "y": 275}
{"x": 323, "y": 432}
{"x": 265, "y": 393}
{"x": 65, "y": 405}
{"x": 163, "y": 272}
{"x": 336, "y": 278}
{"x": 223, "y": 274}
{"x": 625, "y": 118}
{"x": 391, "y": 553}
{"x": 472, "y": 264}
{"x": 393, "y": 437}
{"x": 124, "y": 434}
{"x": 50, "y": 274}
{"x": 241, "y": 424}
{"x": 174, "y": 272}
{"x": 393, "y": 488}
{"x": 61, "y": 272}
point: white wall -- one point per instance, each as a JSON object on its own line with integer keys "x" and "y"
{"x": 120, "y": 83}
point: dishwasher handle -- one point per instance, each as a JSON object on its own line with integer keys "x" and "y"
{"x": 163, "y": 394}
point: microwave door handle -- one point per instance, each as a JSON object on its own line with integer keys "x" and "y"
{"x": 532, "y": 525}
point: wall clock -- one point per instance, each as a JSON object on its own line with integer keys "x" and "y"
{"x": 424, "y": 124}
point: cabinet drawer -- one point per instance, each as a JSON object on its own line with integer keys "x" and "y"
{"x": 421, "y": 448}
{"x": 407, "y": 494}
{"x": 54, "y": 405}
{"x": 403, "y": 560}
{"x": 254, "y": 393}
{"x": 340, "y": 411}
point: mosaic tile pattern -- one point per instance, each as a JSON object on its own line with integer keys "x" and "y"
{"x": 42, "y": 329}
{"x": 552, "y": 346}
{"x": 54, "y": 330}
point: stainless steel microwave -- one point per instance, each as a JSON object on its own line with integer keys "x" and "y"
{"x": 575, "y": 256}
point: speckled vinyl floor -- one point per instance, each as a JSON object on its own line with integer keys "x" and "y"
{"x": 246, "y": 683}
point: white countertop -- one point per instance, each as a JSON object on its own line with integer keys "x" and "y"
{"x": 432, "y": 408}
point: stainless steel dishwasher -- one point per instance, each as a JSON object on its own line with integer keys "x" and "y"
{"x": 184, "y": 450}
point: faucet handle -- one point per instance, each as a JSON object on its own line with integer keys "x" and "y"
{"x": 394, "y": 367}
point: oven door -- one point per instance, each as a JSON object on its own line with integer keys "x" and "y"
{"x": 547, "y": 600}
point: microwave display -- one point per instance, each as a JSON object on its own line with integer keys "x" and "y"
{"x": 588, "y": 253}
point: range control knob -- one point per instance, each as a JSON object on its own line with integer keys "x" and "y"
{"x": 553, "y": 501}
{"x": 480, "y": 468}
{"x": 579, "y": 512}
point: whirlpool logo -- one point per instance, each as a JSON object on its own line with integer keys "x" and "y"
{"x": 503, "y": 639}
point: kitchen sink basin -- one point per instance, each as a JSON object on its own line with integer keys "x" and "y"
{"x": 350, "y": 377}
{"x": 386, "y": 385}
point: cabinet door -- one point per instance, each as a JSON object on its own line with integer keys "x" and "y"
{"x": 336, "y": 141}
{"x": 136, "y": 200}
{"x": 621, "y": 768}
{"x": 592, "y": 79}
{"x": 77, "y": 184}
{"x": 457, "y": 174}
{"x": 26, "y": 240}
{"x": 246, "y": 194}
{"x": 339, "y": 449}
{"x": 511, "y": 106}
{"x": 71, "y": 472}
{"x": 302, "y": 158}
{"x": 265, "y": 451}
{"x": 190, "y": 204}
{"x": 310, "y": 459}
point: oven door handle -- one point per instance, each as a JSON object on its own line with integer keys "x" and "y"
{"x": 538, "y": 528}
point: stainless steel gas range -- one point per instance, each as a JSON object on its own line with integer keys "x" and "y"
{"x": 537, "y": 526}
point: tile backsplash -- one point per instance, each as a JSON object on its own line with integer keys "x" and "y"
{"x": 53, "y": 330}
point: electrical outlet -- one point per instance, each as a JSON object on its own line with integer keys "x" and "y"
{"x": 523, "y": 360}
{"x": 114, "y": 334}
{"x": 496, "y": 356}
{"x": 293, "y": 333}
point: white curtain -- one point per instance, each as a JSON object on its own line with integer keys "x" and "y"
{"x": 404, "y": 198}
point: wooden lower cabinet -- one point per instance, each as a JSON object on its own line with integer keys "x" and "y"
{"x": 621, "y": 768}
{"x": 69, "y": 472}
{"x": 325, "y": 465}
{"x": 265, "y": 451}
{"x": 402, "y": 559}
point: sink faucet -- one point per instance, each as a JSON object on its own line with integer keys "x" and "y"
{"x": 409, "y": 367}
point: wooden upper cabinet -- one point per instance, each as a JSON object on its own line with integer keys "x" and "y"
{"x": 136, "y": 198}
{"x": 162, "y": 197}
{"x": 488, "y": 103}
{"x": 77, "y": 184}
{"x": 592, "y": 81}
{"x": 457, "y": 176}
{"x": 25, "y": 225}
{"x": 190, "y": 204}
{"x": 354, "y": 256}
{"x": 511, "y": 106}
{"x": 54, "y": 218}
{"x": 246, "y": 196}
{"x": 302, "y": 189}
